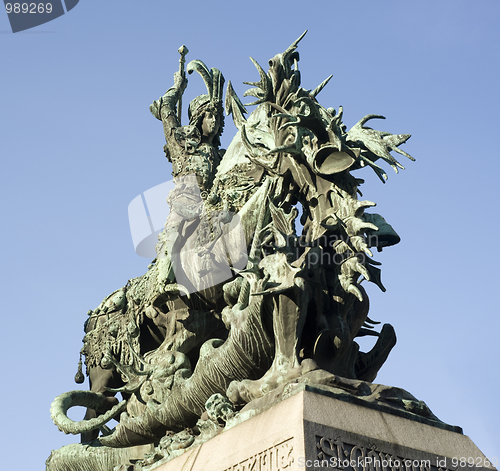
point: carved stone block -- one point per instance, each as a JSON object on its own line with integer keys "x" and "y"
{"x": 310, "y": 431}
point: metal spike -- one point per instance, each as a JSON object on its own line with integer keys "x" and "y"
{"x": 294, "y": 45}
{"x": 367, "y": 118}
{"x": 254, "y": 84}
{"x": 256, "y": 92}
{"x": 320, "y": 86}
{"x": 263, "y": 75}
{"x": 355, "y": 291}
{"x": 402, "y": 152}
{"x": 378, "y": 170}
{"x": 234, "y": 106}
{"x": 263, "y": 86}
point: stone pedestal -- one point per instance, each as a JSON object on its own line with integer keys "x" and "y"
{"x": 312, "y": 431}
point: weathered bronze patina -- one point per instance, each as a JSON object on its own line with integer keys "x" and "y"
{"x": 189, "y": 348}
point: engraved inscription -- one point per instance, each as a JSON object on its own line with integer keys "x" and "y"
{"x": 276, "y": 458}
{"x": 336, "y": 455}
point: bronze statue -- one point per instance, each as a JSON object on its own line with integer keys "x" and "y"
{"x": 183, "y": 340}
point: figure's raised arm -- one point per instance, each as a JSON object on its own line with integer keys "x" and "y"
{"x": 166, "y": 106}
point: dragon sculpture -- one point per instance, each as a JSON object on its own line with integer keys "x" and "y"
{"x": 190, "y": 361}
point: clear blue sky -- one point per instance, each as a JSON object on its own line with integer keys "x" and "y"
{"x": 77, "y": 144}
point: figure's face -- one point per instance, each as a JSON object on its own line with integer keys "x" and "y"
{"x": 210, "y": 125}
